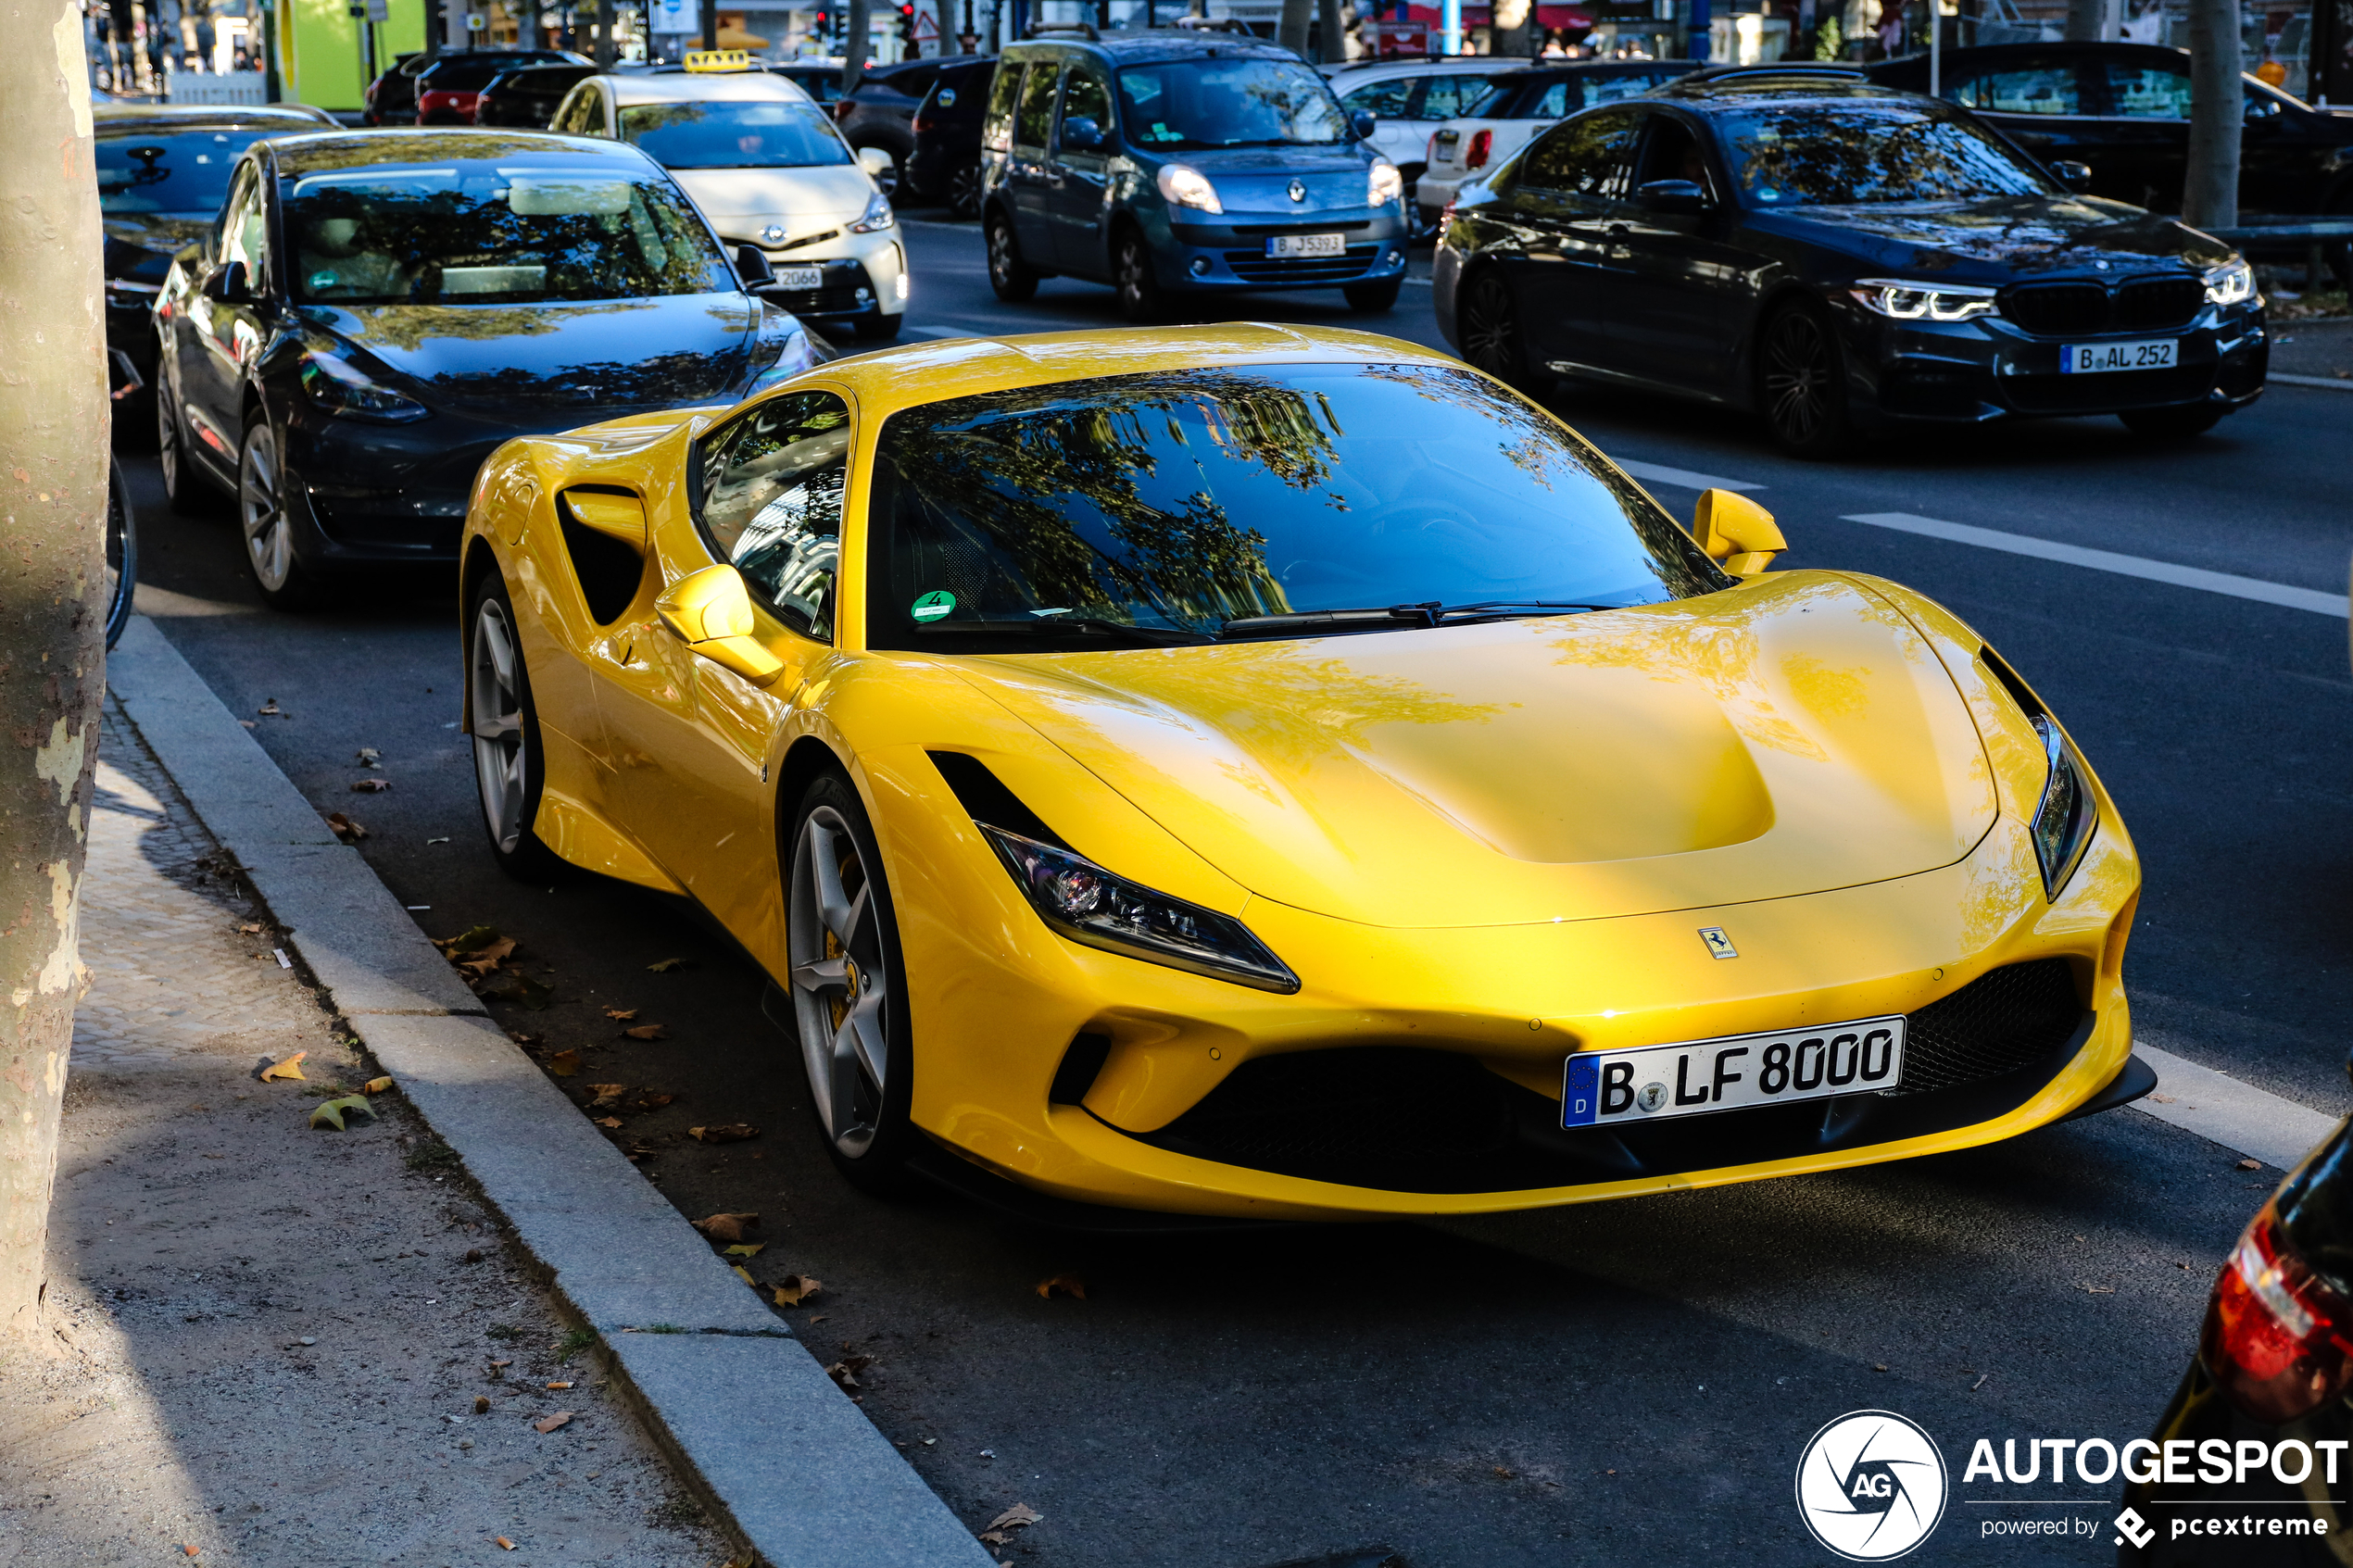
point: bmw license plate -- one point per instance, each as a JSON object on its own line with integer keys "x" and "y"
{"x": 800, "y": 277}
{"x": 2088, "y": 359}
{"x": 1735, "y": 1072}
{"x": 1306, "y": 244}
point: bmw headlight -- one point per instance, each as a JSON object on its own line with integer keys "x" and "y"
{"x": 1183, "y": 185}
{"x": 1904, "y": 301}
{"x": 1088, "y": 904}
{"x": 2230, "y": 284}
{"x": 345, "y": 390}
{"x": 1387, "y": 186}
{"x": 876, "y": 218}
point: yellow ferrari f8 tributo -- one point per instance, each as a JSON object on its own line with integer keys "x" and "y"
{"x": 1255, "y": 771}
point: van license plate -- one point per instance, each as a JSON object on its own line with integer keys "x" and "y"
{"x": 2089, "y": 359}
{"x": 1735, "y": 1073}
{"x": 1307, "y": 244}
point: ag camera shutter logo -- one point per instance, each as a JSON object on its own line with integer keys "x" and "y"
{"x": 1871, "y": 1485}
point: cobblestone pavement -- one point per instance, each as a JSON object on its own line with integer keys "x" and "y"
{"x": 281, "y": 1344}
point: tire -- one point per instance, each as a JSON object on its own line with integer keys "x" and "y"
{"x": 879, "y": 327}
{"x": 1142, "y": 301}
{"x": 1013, "y": 278}
{"x": 510, "y": 769}
{"x": 964, "y": 193}
{"x": 122, "y": 551}
{"x": 2181, "y": 423}
{"x": 854, "y": 1029}
{"x": 184, "y": 489}
{"x": 1370, "y": 299}
{"x": 1801, "y": 380}
{"x": 1488, "y": 322}
{"x": 283, "y": 580}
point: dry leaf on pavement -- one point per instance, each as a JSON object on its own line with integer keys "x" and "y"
{"x": 377, "y": 1086}
{"x": 793, "y": 1289}
{"x": 604, "y": 1097}
{"x": 652, "y": 1102}
{"x": 251, "y": 928}
{"x": 2250, "y": 1164}
{"x": 519, "y": 1037}
{"x": 369, "y": 758}
{"x": 746, "y": 1249}
{"x": 270, "y": 709}
{"x": 648, "y": 1031}
{"x": 744, "y": 1275}
{"x": 667, "y": 965}
{"x": 735, "y": 1131}
{"x": 482, "y": 1404}
{"x": 845, "y": 1372}
{"x": 521, "y": 988}
{"x": 331, "y": 1113}
{"x": 1062, "y": 1285}
{"x": 609, "y": 1122}
{"x": 486, "y": 958}
{"x": 1013, "y": 1518}
{"x": 561, "y": 1418}
{"x": 996, "y": 1538}
{"x": 726, "y": 1228}
{"x": 621, "y": 1015}
{"x": 343, "y": 827}
{"x": 563, "y": 1064}
{"x": 289, "y": 1068}
{"x": 466, "y": 940}
{"x": 370, "y": 787}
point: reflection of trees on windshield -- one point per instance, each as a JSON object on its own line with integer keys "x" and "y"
{"x": 1802, "y": 155}
{"x": 1229, "y": 104}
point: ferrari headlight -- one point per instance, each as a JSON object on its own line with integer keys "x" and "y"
{"x": 346, "y": 392}
{"x": 2230, "y": 284}
{"x": 1088, "y": 904}
{"x": 1923, "y": 301}
{"x": 1386, "y": 185}
{"x": 1183, "y": 185}
{"x": 876, "y": 217}
{"x": 2064, "y": 816}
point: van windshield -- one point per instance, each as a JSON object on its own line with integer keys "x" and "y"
{"x": 1224, "y": 103}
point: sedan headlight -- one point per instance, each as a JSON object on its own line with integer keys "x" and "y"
{"x": 2230, "y": 284}
{"x": 877, "y": 216}
{"x": 346, "y": 392}
{"x": 1386, "y": 185}
{"x": 1183, "y": 185}
{"x": 1091, "y": 905}
{"x": 1923, "y": 301}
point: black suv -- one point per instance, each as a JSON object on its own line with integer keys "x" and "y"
{"x": 880, "y": 111}
{"x": 945, "y": 166}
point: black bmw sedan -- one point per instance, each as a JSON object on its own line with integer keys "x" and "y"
{"x": 372, "y": 313}
{"x": 1838, "y": 256}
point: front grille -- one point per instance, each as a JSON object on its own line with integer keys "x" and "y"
{"x": 1256, "y": 267}
{"x": 2054, "y": 309}
{"x": 1997, "y": 1024}
{"x": 2154, "y": 303}
{"x": 2084, "y": 307}
{"x": 2107, "y": 391}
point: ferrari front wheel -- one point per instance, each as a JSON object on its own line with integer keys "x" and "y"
{"x": 849, "y": 987}
{"x": 510, "y": 770}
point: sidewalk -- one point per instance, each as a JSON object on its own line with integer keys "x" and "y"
{"x": 276, "y": 1339}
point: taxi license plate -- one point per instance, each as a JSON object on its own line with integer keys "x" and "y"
{"x": 800, "y": 277}
{"x": 2090, "y": 358}
{"x": 1735, "y": 1073}
{"x": 1307, "y": 244}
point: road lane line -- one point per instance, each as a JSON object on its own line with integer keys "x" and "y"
{"x": 2221, "y": 1110}
{"x": 2105, "y": 560}
{"x": 936, "y": 331}
{"x": 1659, "y": 473}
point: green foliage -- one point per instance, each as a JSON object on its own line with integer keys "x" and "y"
{"x": 574, "y": 1341}
{"x": 432, "y": 1155}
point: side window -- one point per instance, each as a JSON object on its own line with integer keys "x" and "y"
{"x": 1671, "y": 152}
{"x": 1610, "y": 89}
{"x": 243, "y": 227}
{"x": 1084, "y": 93}
{"x": 1035, "y": 116}
{"x": 2038, "y": 90}
{"x": 1004, "y": 88}
{"x": 566, "y": 119}
{"x": 771, "y": 507}
{"x": 2138, "y": 93}
{"x": 1385, "y": 99}
{"x": 1451, "y": 97}
{"x": 1555, "y": 102}
{"x": 1590, "y": 156}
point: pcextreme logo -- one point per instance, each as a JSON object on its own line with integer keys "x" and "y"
{"x": 1871, "y": 1485}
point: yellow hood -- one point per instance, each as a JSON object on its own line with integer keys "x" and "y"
{"x": 1787, "y": 736}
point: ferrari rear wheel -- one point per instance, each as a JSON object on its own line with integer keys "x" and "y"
{"x": 849, "y": 987}
{"x": 509, "y": 768}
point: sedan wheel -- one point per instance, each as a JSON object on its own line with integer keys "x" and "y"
{"x": 1488, "y": 323}
{"x": 182, "y": 491}
{"x": 1803, "y": 395}
{"x": 269, "y": 534}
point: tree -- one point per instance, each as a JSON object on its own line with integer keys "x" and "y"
{"x": 2085, "y": 19}
{"x": 853, "y": 49}
{"x": 1331, "y": 35}
{"x": 2218, "y": 112}
{"x": 53, "y": 423}
{"x": 607, "y": 46}
{"x": 1291, "y": 30}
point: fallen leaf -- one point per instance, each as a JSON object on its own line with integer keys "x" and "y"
{"x": 468, "y": 940}
{"x": 561, "y": 1418}
{"x": 744, "y": 1276}
{"x": 995, "y": 1537}
{"x": 289, "y": 1068}
{"x": 519, "y": 1037}
{"x": 486, "y": 958}
{"x": 370, "y": 787}
{"x": 1063, "y": 1285}
{"x": 735, "y": 1131}
{"x": 1503, "y": 1474}
{"x": 251, "y": 928}
{"x": 504, "y": 1542}
{"x": 668, "y": 965}
{"x": 726, "y": 1228}
{"x": 793, "y": 1289}
{"x": 621, "y": 1014}
{"x": 331, "y": 1113}
{"x": 2250, "y": 1164}
{"x": 1013, "y": 1518}
{"x": 609, "y": 1122}
{"x": 270, "y": 709}
{"x": 651, "y": 1102}
{"x": 604, "y": 1097}
{"x": 189, "y": 1549}
{"x": 746, "y": 1249}
{"x": 1881, "y": 1366}
{"x": 563, "y": 1064}
{"x": 647, "y": 1031}
{"x": 482, "y": 1404}
{"x": 377, "y": 1086}
{"x": 2162, "y": 1099}
{"x": 520, "y": 988}
{"x": 559, "y": 1384}
{"x": 845, "y": 1372}
{"x": 369, "y": 758}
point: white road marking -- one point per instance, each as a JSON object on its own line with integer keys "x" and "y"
{"x": 1659, "y": 473}
{"x": 2107, "y": 560}
{"x": 936, "y": 331}
{"x": 2238, "y": 1116}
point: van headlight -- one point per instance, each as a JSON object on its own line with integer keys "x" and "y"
{"x": 1387, "y": 185}
{"x": 2230, "y": 284}
{"x": 1904, "y": 301}
{"x": 1183, "y": 185}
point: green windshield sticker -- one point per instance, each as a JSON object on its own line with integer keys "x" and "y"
{"x": 932, "y": 606}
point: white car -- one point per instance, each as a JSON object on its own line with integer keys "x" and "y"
{"x": 1409, "y": 99}
{"x": 769, "y": 170}
{"x": 1520, "y": 105}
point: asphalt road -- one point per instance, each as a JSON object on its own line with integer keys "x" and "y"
{"x": 1590, "y": 1386}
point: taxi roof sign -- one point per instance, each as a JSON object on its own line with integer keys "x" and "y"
{"x": 718, "y": 59}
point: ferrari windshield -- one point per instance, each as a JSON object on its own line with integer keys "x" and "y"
{"x": 1195, "y": 504}
{"x": 1858, "y": 152}
{"x": 1228, "y": 103}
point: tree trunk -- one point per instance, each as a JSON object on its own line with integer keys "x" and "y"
{"x": 2218, "y": 112}
{"x": 1331, "y": 36}
{"x": 608, "y": 48}
{"x": 2083, "y": 18}
{"x": 1291, "y": 32}
{"x": 1511, "y": 20}
{"x": 53, "y": 422}
{"x": 853, "y": 48}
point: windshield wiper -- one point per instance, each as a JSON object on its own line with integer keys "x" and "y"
{"x": 1048, "y": 626}
{"x": 1428, "y": 613}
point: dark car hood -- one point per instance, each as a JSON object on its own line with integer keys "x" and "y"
{"x": 140, "y": 244}
{"x": 1998, "y": 239}
{"x": 603, "y": 358}
{"x": 1214, "y": 161}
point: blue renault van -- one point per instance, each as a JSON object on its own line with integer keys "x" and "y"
{"x": 1169, "y": 161}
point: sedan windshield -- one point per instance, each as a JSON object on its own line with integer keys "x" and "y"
{"x": 1221, "y": 103}
{"x": 733, "y": 136}
{"x": 1184, "y": 505}
{"x": 1856, "y": 153}
{"x": 186, "y": 171}
{"x": 469, "y": 232}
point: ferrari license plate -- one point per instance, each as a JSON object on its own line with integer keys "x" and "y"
{"x": 2090, "y": 358}
{"x": 800, "y": 277}
{"x": 1735, "y": 1072}
{"x": 1306, "y": 244}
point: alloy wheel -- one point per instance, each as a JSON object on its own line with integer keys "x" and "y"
{"x": 964, "y": 193}
{"x": 269, "y": 536}
{"x": 1139, "y": 288}
{"x": 1491, "y": 330}
{"x": 494, "y": 695}
{"x": 168, "y": 437}
{"x": 1798, "y": 373}
{"x": 1002, "y": 261}
{"x": 840, "y": 992}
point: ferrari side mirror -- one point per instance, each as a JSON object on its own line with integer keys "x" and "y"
{"x": 711, "y": 612}
{"x": 1736, "y": 532}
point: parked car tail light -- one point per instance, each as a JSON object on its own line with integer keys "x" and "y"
{"x": 1481, "y": 143}
{"x": 2275, "y": 1332}
{"x": 920, "y": 124}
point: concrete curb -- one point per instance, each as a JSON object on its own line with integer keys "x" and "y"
{"x": 2328, "y": 383}
{"x": 800, "y": 1474}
